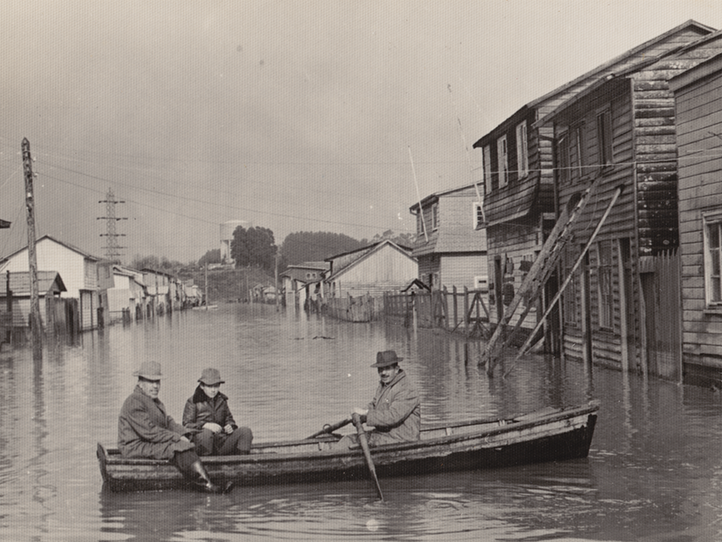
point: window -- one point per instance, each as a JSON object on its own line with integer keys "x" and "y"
{"x": 434, "y": 217}
{"x": 712, "y": 256}
{"x": 522, "y": 150}
{"x": 487, "y": 169}
{"x": 419, "y": 222}
{"x": 502, "y": 157}
{"x": 563, "y": 158}
{"x": 580, "y": 149}
{"x": 604, "y": 286}
{"x": 478, "y": 216}
{"x": 604, "y": 138}
{"x": 569, "y": 297}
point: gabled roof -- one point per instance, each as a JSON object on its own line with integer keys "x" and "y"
{"x": 54, "y": 240}
{"x": 48, "y": 282}
{"x": 364, "y": 249}
{"x": 677, "y": 55}
{"x": 623, "y": 62}
{"x": 368, "y": 254}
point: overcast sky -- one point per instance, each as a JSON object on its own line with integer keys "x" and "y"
{"x": 294, "y": 116}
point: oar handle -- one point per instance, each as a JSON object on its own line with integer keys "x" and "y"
{"x": 328, "y": 429}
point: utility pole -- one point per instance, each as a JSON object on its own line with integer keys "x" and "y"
{"x": 277, "y": 292}
{"x": 35, "y": 321}
{"x": 112, "y": 249}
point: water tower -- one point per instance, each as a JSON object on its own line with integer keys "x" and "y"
{"x": 227, "y": 229}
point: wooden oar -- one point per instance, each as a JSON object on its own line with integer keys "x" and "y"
{"x": 328, "y": 429}
{"x": 367, "y": 453}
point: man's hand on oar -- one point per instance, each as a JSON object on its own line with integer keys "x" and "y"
{"x": 328, "y": 429}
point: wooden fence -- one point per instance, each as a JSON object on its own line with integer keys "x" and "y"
{"x": 462, "y": 311}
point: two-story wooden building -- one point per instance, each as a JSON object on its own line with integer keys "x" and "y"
{"x": 698, "y": 101}
{"x": 621, "y": 308}
{"x": 451, "y": 242}
{"x": 518, "y": 164}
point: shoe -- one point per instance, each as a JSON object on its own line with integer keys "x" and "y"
{"x": 202, "y": 481}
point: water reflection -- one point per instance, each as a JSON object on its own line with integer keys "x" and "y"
{"x": 654, "y": 469}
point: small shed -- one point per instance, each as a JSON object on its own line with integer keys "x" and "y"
{"x": 15, "y": 297}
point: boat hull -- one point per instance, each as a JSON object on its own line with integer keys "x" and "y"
{"x": 549, "y": 435}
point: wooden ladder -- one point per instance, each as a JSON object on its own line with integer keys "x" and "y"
{"x": 542, "y": 268}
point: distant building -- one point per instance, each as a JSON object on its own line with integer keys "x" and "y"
{"x": 227, "y": 229}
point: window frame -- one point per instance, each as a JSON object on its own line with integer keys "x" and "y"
{"x": 486, "y": 158}
{"x": 712, "y": 276}
{"x": 522, "y": 150}
{"x": 502, "y": 155}
{"x": 605, "y": 148}
{"x": 435, "y": 216}
{"x": 605, "y": 284}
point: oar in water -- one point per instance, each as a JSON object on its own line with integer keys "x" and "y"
{"x": 367, "y": 453}
{"x": 328, "y": 429}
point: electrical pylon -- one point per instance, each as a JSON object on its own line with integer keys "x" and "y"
{"x": 112, "y": 249}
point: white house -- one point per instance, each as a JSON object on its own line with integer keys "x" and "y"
{"x": 128, "y": 293}
{"x": 85, "y": 276}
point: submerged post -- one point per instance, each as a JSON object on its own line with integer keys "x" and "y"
{"x": 35, "y": 321}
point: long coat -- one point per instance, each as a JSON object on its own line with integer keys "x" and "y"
{"x": 200, "y": 410}
{"x": 395, "y": 412}
{"x": 145, "y": 430}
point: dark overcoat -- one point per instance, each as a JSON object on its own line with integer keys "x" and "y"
{"x": 200, "y": 409}
{"x": 145, "y": 430}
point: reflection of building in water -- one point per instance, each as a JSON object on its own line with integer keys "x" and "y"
{"x": 227, "y": 229}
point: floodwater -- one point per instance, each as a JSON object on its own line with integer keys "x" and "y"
{"x": 654, "y": 471}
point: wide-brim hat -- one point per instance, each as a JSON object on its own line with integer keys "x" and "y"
{"x": 211, "y": 377}
{"x": 150, "y": 370}
{"x": 386, "y": 358}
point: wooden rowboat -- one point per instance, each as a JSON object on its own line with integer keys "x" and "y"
{"x": 547, "y": 435}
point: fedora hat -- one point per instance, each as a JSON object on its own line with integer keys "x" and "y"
{"x": 211, "y": 377}
{"x": 386, "y": 358}
{"x": 150, "y": 370}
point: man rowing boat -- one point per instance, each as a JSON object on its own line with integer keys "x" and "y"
{"x": 395, "y": 411}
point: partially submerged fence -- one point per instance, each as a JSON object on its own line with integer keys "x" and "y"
{"x": 462, "y": 311}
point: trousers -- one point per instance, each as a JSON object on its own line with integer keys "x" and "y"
{"x": 209, "y": 443}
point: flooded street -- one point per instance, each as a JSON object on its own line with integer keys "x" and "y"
{"x": 654, "y": 471}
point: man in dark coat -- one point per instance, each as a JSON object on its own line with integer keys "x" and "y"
{"x": 395, "y": 411}
{"x": 146, "y": 430}
{"x": 215, "y": 432}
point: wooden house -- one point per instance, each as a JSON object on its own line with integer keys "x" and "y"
{"x": 303, "y": 282}
{"x": 371, "y": 270}
{"x": 518, "y": 180}
{"x": 84, "y": 275}
{"x": 621, "y": 308}
{"x": 698, "y": 100}
{"x": 450, "y": 244}
{"x": 127, "y": 294}
{"x": 15, "y": 303}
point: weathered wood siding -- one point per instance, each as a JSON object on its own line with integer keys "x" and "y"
{"x": 460, "y": 269}
{"x": 620, "y": 224}
{"x": 514, "y": 245}
{"x": 699, "y": 139}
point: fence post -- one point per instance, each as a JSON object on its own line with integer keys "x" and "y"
{"x": 466, "y": 310}
{"x": 454, "y": 304}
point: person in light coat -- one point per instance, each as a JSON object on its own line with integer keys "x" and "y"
{"x": 395, "y": 411}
